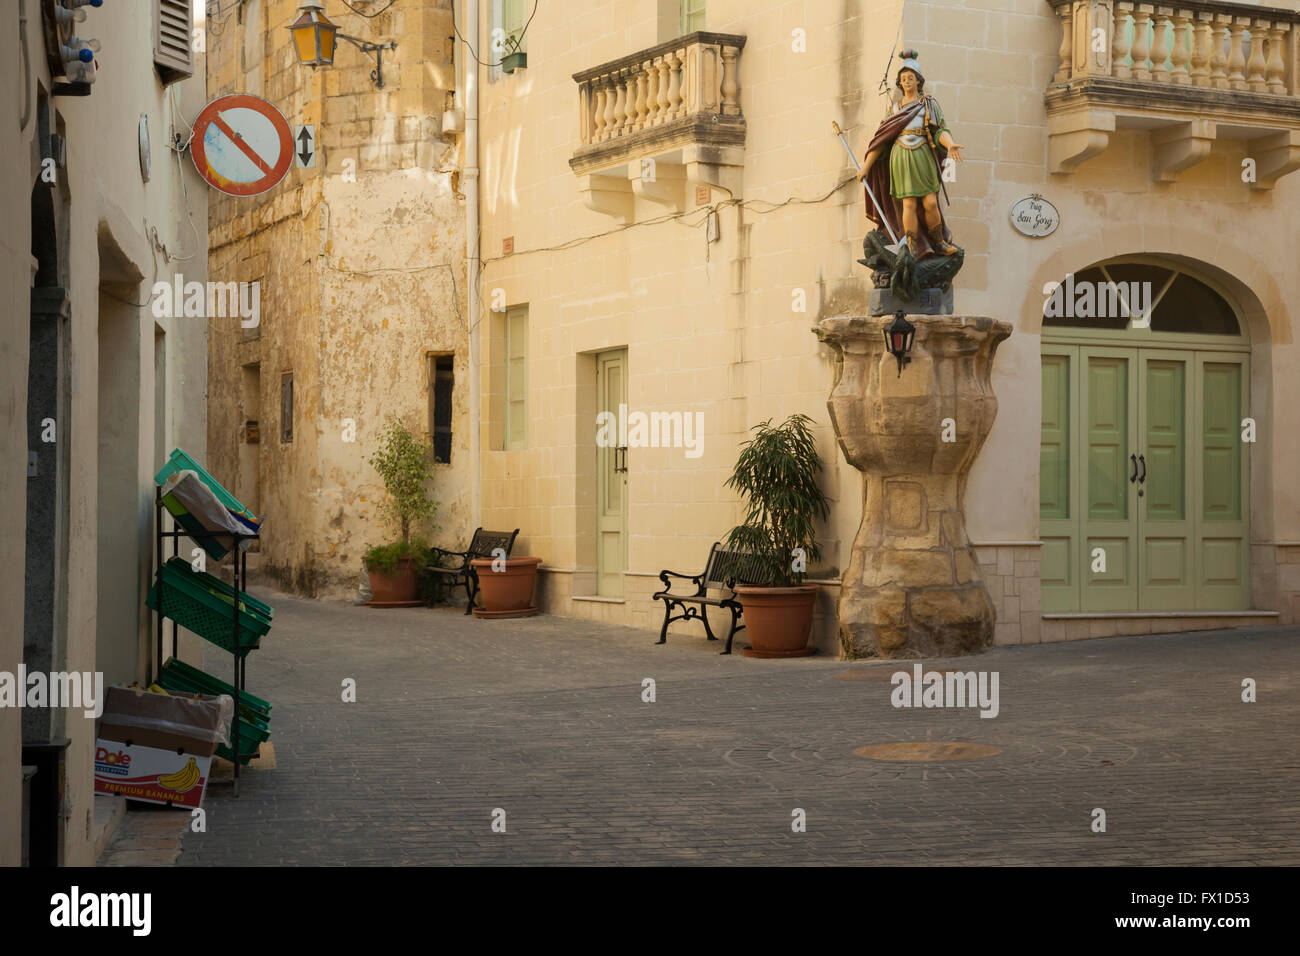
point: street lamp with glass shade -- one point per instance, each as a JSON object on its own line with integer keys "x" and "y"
{"x": 315, "y": 35}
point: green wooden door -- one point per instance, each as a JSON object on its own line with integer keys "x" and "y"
{"x": 1107, "y": 539}
{"x": 611, "y": 478}
{"x": 1143, "y": 479}
{"x": 1058, "y": 479}
{"x": 1220, "y": 503}
{"x": 1165, "y": 529}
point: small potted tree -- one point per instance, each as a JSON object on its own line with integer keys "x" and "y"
{"x": 405, "y": 465}
{"x": 776, "y": 474}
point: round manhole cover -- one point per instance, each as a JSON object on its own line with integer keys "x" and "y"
{"x": 927, "y": 750}
{"x": 865, "y": 673}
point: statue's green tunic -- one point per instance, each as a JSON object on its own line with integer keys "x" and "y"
{"x": 913, "y": 170}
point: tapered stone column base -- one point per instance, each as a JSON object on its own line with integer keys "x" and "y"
{"x": 912, "y": 586}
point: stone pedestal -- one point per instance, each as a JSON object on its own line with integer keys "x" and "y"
{"x": 929, "y": 302}
{"x": 912, "y": 586}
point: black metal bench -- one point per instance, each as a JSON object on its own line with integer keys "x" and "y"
{"x": 722, "y": 571}
{"x": 453, "y": 568}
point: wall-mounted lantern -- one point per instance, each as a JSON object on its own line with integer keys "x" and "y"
{"x": 898, "y": 339}
{"x": 314, "y": 36}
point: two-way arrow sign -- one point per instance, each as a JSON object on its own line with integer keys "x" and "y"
{"x": 304, "y": 138}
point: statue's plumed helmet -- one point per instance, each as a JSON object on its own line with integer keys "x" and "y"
{"x": 909, "y": 63}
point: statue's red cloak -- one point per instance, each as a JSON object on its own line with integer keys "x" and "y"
{"x": 879, "y": 181}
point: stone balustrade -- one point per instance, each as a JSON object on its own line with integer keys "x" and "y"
{"x": 692, "y": 75}
{"x": 677, "y": 103}
{"x": 1183, "y": 71}
{"x": 1223, "y": 46}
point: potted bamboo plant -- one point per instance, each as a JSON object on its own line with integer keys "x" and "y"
{"x": 405, "y": 465}
{"x": 776, "y": 474}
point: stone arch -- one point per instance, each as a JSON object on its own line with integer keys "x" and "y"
{"x": 1248, "y": 283}
{"x": 1242, "y": 278}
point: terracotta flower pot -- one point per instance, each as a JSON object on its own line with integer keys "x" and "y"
{"x": 508, "y": 592}
{"x": 401, "y": 588}
{"x": 778, "y": 620}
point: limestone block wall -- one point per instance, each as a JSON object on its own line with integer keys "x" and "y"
{"x": 1011, "y": 573}
{"x": 719, "y": 328}
{"x": 1277, "y": 570}
{"x": 711, "y": 326}
{"x": 991, "y": 65}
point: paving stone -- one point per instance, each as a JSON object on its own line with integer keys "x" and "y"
{"x": 543, "y": 717}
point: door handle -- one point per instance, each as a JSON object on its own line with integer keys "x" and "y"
{"x": 1142, "y": 480}
{"x": 620, "y": 464}
{"x": 1133, "y": 477}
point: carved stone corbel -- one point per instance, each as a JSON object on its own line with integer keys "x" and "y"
{"x": 1076, "y": 136}
{"x": 661, "y": 183}
{"x": 609, "y": 195}
{"x": 720, "y": 167}
{"x": 1274, "y": 156}
{"x": 1180, "y": 147}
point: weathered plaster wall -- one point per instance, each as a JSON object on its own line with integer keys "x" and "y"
{"x": 16, "y": 275}
{"x": 115, "y": 234}
{"x": 361, "y": 261}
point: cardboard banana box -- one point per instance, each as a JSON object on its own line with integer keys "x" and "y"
{"x": 158, "y": 747}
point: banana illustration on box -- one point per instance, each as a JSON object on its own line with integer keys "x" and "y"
{"x": 182, "y": 780}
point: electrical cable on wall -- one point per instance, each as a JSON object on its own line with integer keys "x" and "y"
{"x": 670, "y": 217}
{"x": 368, "y": 16}
{"x": 474, "y": 53}
{"x": 180, "y": 170}
{"x": 706, "y": 211}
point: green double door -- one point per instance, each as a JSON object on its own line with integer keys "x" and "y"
{"x": 1143, "y": 482}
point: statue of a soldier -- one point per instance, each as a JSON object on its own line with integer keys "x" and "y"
{"x": 919, "y": 143}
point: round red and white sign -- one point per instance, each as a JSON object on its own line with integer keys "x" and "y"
{"x": 242, "y": 145}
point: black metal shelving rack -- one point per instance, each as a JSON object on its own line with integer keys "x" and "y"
{"x": 240, "y": 574}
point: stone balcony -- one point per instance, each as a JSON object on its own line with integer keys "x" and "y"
{"x": 1190, "y": 73}
{"x": 659, "y": 121}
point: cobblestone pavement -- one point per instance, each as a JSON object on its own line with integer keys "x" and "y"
{"x": 544, "y": 719}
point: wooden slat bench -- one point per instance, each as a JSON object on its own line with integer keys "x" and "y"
{"x": 453, "y": 568}
{"x": 722, "y": 571}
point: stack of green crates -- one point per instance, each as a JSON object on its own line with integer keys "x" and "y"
{"x": 205, "y": 604}
{"x": 254, "y": 713}
{"x": 202, "y": 603}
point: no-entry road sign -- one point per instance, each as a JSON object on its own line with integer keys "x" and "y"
{"x": 242, "y": 145}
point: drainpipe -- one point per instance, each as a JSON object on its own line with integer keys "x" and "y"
{"x": 471, "y": 35}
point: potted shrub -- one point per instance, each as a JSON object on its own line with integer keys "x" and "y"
{"x": 776, "y": 474}
{"x": 405, "y": 465}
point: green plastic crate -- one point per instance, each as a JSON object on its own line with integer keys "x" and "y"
{"x": 250, "y": 738}
{"x": 182, "y": 678}
{"x": 201, "y": 535}
{"x": 254, "y": 713}
{"x": 219, "y": 589}
{"x": 178, "y": 460}
{"x": 202, "y": 603}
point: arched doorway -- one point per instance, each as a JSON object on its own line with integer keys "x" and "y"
{"x": 1144, "y": 482}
